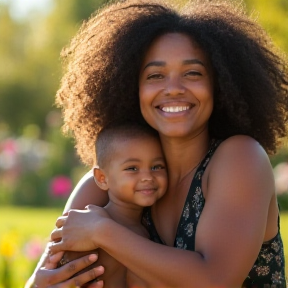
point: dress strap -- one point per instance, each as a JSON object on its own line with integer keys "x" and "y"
{"x": 186, "y": 230}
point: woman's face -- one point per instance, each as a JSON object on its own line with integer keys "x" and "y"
{"x": 176, "y": 86}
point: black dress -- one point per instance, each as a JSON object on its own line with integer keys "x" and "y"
{"x": 268, "y": 270}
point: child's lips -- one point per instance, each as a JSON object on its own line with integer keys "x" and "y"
{"x": 147, "y": 190}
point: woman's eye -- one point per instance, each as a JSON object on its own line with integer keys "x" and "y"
{"x": 192, "y": 73}
{"x": 155, "y": 76}
{"x": 157, "y": 167}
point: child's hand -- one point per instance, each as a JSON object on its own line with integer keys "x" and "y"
{"x": 53, "y": 260}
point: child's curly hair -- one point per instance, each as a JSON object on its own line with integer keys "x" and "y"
{"x": 100, "y": 84}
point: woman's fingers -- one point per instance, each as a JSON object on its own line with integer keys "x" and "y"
{"x": 58, "y": 277}
{"x": 83, "y": 278}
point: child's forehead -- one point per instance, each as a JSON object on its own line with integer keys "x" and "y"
{"x": 139, "y": 140}
{"x": 140, "y": 145}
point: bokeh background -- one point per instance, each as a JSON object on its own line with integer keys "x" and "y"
{"x": 38, "y": 166}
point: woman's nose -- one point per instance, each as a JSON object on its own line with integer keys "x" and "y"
{"x": 174, "y": 87}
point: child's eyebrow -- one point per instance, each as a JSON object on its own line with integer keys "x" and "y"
{"x": 131, "y": 160}
{"x": 139, "y": 160}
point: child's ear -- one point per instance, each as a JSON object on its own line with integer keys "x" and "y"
{"x": 100, "y": 178}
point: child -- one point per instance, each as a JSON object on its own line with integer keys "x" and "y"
{"x": 131, "y": 168}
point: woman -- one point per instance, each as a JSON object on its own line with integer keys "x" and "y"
{"x": 211, "y": 83}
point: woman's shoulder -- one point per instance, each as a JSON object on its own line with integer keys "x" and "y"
{"x": 241, "y": 159}
{"x": 240, "y": 140}
{"x": 241, "y": 147}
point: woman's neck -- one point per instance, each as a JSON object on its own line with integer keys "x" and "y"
{"x": 184, "y": 155}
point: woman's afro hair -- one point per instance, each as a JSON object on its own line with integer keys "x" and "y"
{"x": 100, "y": 83}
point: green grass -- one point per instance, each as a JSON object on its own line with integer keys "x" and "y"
{"x": 23, "y": 225}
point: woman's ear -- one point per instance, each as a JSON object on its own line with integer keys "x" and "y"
{"x": 100, "y": 178}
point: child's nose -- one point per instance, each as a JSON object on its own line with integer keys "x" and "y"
{"x": 146, "y": 176}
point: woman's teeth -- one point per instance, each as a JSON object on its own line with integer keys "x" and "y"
{"x": 175, "y": 109}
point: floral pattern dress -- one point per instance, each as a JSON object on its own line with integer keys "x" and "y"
{"x": 268, "y": 270}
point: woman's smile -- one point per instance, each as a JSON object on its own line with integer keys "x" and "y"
{"x": 175, "y": 107}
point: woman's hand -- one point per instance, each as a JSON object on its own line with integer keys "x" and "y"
{"x": 77, "y": 230}
{"x": 57, "y": 278}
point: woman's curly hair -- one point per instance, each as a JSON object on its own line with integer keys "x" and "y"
{"x": 100, "y": 84}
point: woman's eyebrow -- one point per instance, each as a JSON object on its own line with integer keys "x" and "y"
{"x": 155, "y": 63}
{"x": 162, "y": 63}
{"x": 193, "y": 61}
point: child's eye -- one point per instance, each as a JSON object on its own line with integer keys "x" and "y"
{"x": 132, "y": 168}
{"x": 157, "y": 167}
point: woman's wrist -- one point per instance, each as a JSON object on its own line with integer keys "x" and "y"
{"x": 104, "y": 230}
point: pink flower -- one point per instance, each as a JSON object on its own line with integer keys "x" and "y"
{"x": 34, "y": 248}
{"x": 61, "y": 186}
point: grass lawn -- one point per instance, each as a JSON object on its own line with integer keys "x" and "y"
{"x": 28, "y": 230}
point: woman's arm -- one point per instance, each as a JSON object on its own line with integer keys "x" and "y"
{"x": 86, "y": 192}
{"x": 229, "y": 234}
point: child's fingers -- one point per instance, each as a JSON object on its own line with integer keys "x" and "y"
{"x": 53, "y": 260}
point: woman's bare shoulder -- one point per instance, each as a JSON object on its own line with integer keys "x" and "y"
{"x": 242, "y": 159}
{"x": 241, "y": 149}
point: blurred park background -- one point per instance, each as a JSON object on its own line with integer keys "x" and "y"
{"x": 38, "y": 166}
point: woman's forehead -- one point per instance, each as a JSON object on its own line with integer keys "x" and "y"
{"x": 174, "y": 45}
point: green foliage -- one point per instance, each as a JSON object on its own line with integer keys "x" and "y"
{"x": 272, "y": 15}
{"x": 30, "y": 67}
{"x": 283, "y": 201}
{"x": 30, "y": 73}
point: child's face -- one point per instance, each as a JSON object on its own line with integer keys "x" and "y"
{"x": 137, "y": 173}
